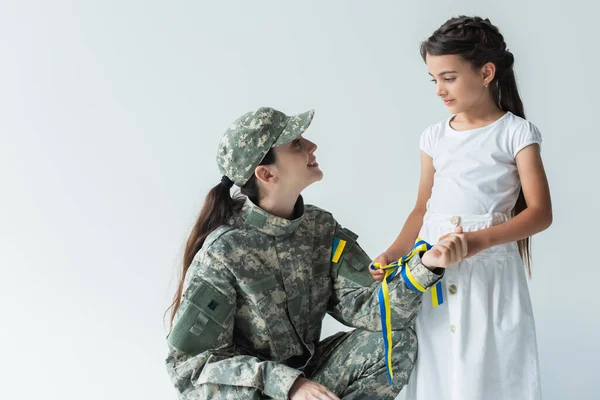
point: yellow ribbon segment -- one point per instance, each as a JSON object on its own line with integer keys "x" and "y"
{"x": 412, "y": 279}
{"x": 391, "y": 270}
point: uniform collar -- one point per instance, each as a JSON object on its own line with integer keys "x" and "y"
{"x": 270, "y": 224}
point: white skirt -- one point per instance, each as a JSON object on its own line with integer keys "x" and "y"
{"x": 480, "y": 344}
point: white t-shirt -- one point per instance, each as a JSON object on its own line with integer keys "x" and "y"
{"x": 475, "y": 170}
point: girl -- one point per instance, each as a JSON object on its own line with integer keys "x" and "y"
{"x": 480, "y": 169}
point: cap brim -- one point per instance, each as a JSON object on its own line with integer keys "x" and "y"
{"x": 295, "y": 127}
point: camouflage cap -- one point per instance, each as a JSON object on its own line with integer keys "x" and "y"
{"x": 250, "y": 137}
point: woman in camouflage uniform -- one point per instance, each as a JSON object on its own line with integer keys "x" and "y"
{"x": 260, "y": 274}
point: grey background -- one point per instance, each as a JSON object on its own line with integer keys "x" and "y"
{"x": 110, "y": 114}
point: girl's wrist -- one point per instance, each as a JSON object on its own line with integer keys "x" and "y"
{"x": 388, "y": 254}
{"x": 477, "y": 241}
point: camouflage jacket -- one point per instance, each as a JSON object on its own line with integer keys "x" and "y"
{"x": 257, "y": 292}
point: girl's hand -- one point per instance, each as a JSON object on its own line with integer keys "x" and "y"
{"x": 475, "y": 244}
{"x": 378, "y": 274}
{"x": 451, "y": 249}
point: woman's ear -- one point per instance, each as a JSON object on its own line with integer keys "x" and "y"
{"x": 266, "y": 173}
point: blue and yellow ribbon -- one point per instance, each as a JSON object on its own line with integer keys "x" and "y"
{"x": 391, "y": 271}
{"x": 437, "y": 295}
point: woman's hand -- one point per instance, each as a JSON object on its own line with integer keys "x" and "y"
{"x": 304, "y": 389}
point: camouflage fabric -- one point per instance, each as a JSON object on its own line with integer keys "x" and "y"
{"x": 356, "y": 369}
{"x": 250, "y": 137}
{"x": 255, "y": 297}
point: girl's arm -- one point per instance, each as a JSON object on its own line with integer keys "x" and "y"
{"x": 535, "y": 218}
{"x": 406, "y": 239}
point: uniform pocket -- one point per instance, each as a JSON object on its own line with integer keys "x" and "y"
{"x": 353, "y": 263}
{"x": 202, "y": 319}
{"x": 354, "y": 266}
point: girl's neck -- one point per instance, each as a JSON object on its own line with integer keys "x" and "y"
{"x": 476, "y": 117}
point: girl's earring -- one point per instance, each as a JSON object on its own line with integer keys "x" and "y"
{"x": 486, "y": 84}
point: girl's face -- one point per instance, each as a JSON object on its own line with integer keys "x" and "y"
{"x": 296, "y": 165}
{"x": 459, "y": 85}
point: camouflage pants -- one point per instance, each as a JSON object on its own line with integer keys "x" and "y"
{"x": 355, "y": 368}
{"x": 350, "y": 364}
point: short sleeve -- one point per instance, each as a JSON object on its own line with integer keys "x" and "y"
{"x": 526, "y": 135}
{"x": 427, "y": 142}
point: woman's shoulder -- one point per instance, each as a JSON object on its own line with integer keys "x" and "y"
{"x": 228, "y": 240}
{"x": 219, "y": 245}
{"x": 319, "y": 215}
{"x": 311, "y": 209}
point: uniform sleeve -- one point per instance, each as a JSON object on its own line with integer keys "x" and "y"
{"x": 355, "y": 300}
{"x": 525, "y": 135}
{"x": 201, "y": 347}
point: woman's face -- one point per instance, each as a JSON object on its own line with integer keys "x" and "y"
{"x": 296, "y": 165}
